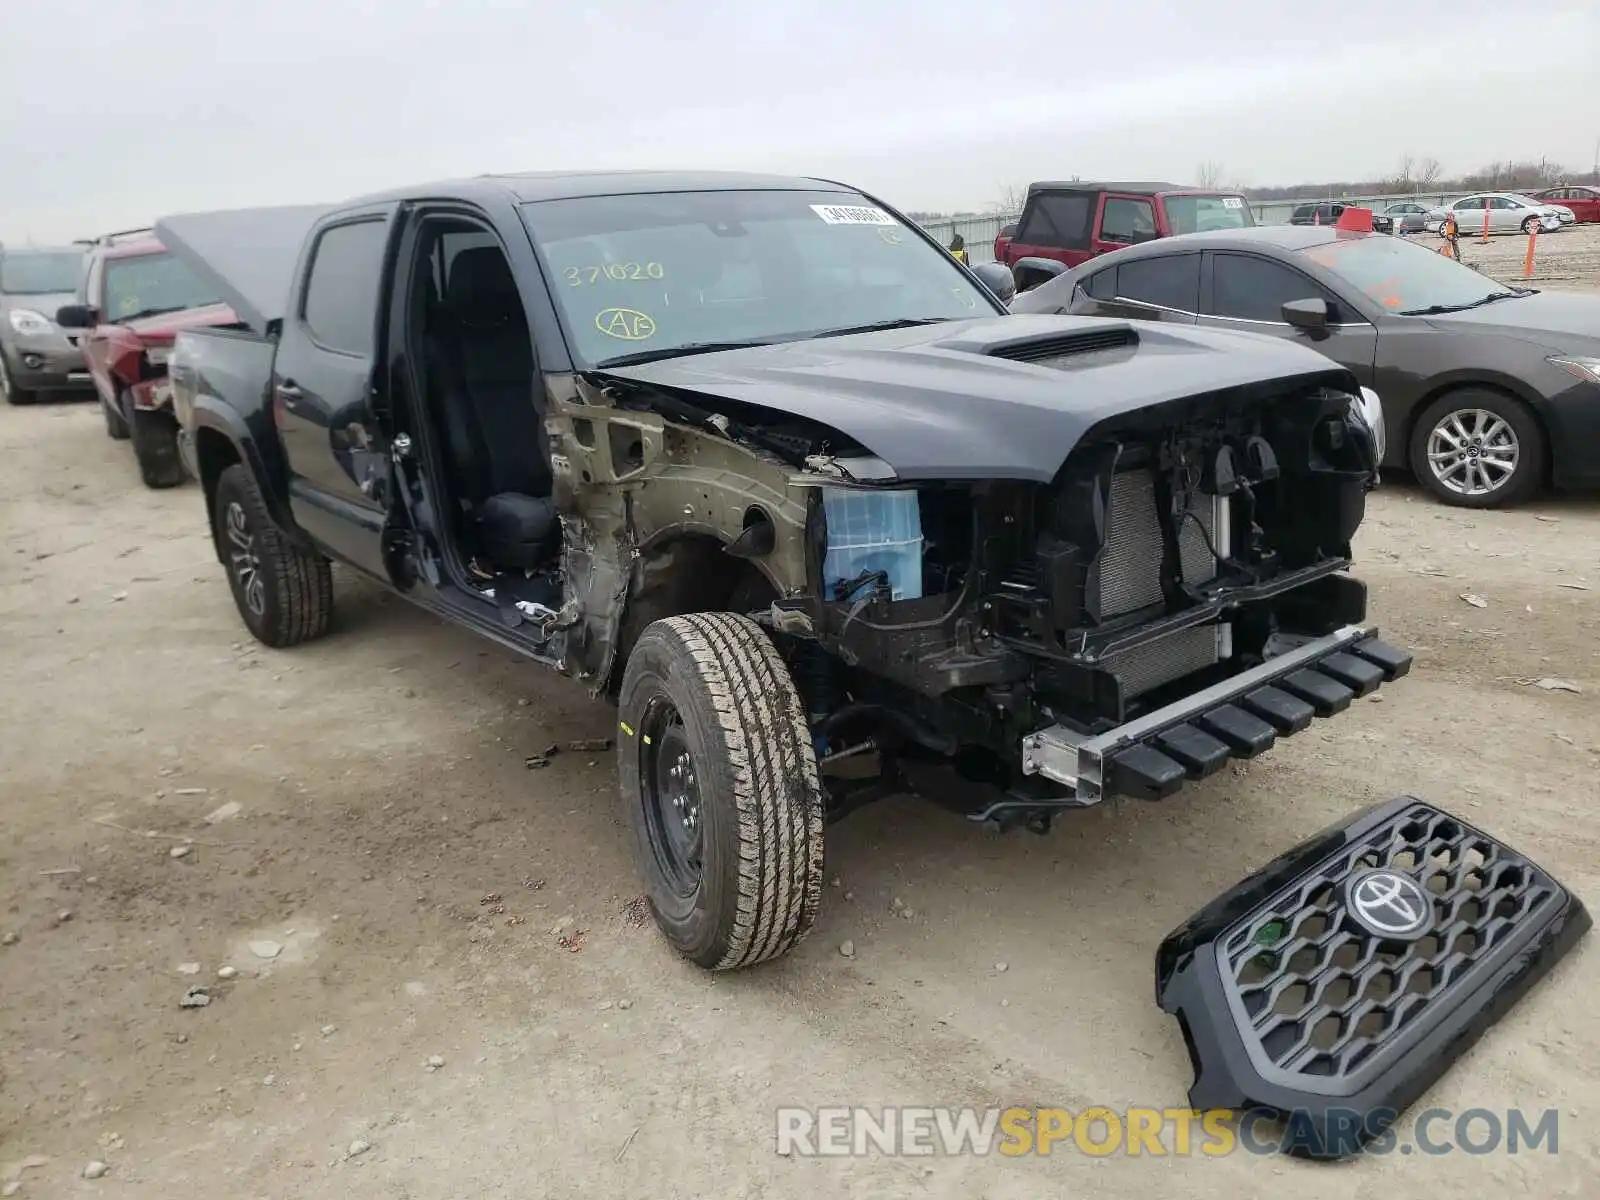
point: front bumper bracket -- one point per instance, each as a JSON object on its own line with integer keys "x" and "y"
{"x": 1152, "y": 756}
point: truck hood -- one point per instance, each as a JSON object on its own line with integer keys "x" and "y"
{"x": 953, "y": 400}
{"x": 1567, "y": 321}
{"x": 163, "y": 327}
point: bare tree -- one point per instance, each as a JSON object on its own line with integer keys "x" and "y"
{"x": 1013, "y": 196}
{"x": 1209, "y": 173}
{"x": 1402, "y": 182}
{"x": 1428, "y": 172}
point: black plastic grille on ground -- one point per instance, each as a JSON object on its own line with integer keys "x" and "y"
{"x": 1323, "y": 996}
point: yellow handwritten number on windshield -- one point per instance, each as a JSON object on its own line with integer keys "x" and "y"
{"x": 626, "y": 323}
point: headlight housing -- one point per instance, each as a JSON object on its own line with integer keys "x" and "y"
{"x": 1369, "y": 408}
{"x": 1583, "y": 366}
{"x": 28, "y": 322}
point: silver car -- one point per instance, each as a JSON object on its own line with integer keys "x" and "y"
{"x": 1509, "y": 212}
{"x": 1408, "y": 216}
{"x": 36, "y": 356}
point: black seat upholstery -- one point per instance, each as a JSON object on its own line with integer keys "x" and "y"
{"x": 480, "y": 363}
{"x": 494, "y": 369}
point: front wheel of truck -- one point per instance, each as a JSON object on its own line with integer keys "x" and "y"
{"x": 283, "y": 593}
{"x": 720, "y": 783}
{"x": 155, "y": 448}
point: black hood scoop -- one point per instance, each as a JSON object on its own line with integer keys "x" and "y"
{"x": 1049, "y": 351}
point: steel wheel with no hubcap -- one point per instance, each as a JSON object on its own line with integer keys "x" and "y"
{"x": 673, "y": 813}
{"x": 242, "y": 558}
{"x": 1473, "y": 452}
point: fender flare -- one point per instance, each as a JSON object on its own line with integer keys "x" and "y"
{"x": 263, "y": 455}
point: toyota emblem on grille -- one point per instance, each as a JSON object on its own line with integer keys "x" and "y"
{"x": 1389, "y": 904}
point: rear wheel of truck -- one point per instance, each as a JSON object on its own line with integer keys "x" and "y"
{"x": 720, "y": 783}
{"x": 283, "y": 593}
{"x": 116, "y": 423}
{"x": 155, "y": 448}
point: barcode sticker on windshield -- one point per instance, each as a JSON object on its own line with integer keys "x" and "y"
{"x": 1232, "y": 202}
{"x": 852, "y": 214}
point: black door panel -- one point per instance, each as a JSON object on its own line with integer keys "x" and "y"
{"x": 323, "y": 391}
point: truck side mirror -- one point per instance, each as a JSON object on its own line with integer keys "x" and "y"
{"x": 76, "y": 316}
{"x": 997, "y": 277}
{"x": 1310, "y": 315}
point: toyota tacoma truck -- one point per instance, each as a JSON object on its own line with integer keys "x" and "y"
{"x": 758, "y": 460}
{"x": 133, "y": 298}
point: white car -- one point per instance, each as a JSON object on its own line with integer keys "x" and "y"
{"x": 1509, "y": 212}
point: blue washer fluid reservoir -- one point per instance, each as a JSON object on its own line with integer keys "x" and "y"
{"x": 873, "y": 530}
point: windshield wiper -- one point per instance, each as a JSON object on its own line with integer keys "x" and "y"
{"x": 1435, "y": 309}
{"x": 152, "y": 312}
{"x": 644, "y": 356}
{"x": 875, "y": 326}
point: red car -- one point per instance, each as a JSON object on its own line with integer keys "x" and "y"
{"x": 1071, "y": 223}
{"x": 134, "y": 299}
{"x": 1583, "y": 200}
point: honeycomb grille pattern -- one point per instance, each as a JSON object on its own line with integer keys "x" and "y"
{"x": 1323, "y": 996}
{"x": 1130, "y": 565}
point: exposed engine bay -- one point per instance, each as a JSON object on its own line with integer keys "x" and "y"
{"x": 940, "y": 624}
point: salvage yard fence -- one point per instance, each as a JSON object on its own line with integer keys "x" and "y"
{"x": 979, "y": 232}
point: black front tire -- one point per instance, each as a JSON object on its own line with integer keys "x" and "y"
{"x": 284, "y": 594}
{"x": 8, "y": 386}
{"x": 709, "y": 694}
{"x": 1529, "y": 223}
{"x": 1476, "y": 411}
{"x": 155, "y": 448}
{"x": 116, "y": 424}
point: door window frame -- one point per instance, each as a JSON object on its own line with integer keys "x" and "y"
{"x": 385, "y": 219}
{"x": 1344, "y": 307}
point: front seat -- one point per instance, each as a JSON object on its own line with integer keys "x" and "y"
{"x": 482, "y": 358}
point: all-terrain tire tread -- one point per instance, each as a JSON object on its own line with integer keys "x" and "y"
{"x": 777, "y": 791}
{"x": 155, "y": 449}
{"x": 302, "y": 582}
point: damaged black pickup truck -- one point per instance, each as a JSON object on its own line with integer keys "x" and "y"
{"x": 758, "y": 459}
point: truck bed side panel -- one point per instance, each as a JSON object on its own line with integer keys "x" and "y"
{"x": 221, "y": 383}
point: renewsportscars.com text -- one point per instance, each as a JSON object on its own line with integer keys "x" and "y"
{"x": 1153, "y": 1132}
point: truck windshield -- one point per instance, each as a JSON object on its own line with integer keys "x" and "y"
{"x": 1402, "y": 277}
{"x": 147, "y": 284}
{"x": 1199, "y": 214}
{"x": 671, "y": 272}
{"x": 39, "y": 273}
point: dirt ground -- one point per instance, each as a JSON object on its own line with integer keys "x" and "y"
{"x": 1568, "y": 258}
{"x": 364, "y": 804}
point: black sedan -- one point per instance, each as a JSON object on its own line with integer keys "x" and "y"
{"x": 1489, "y": 391}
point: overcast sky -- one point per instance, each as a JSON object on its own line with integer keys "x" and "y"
{"x": 119, "y": 111}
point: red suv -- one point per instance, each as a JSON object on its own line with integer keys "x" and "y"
{"x": 1070, "y": 223}
{"x": 134, "y": 298}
